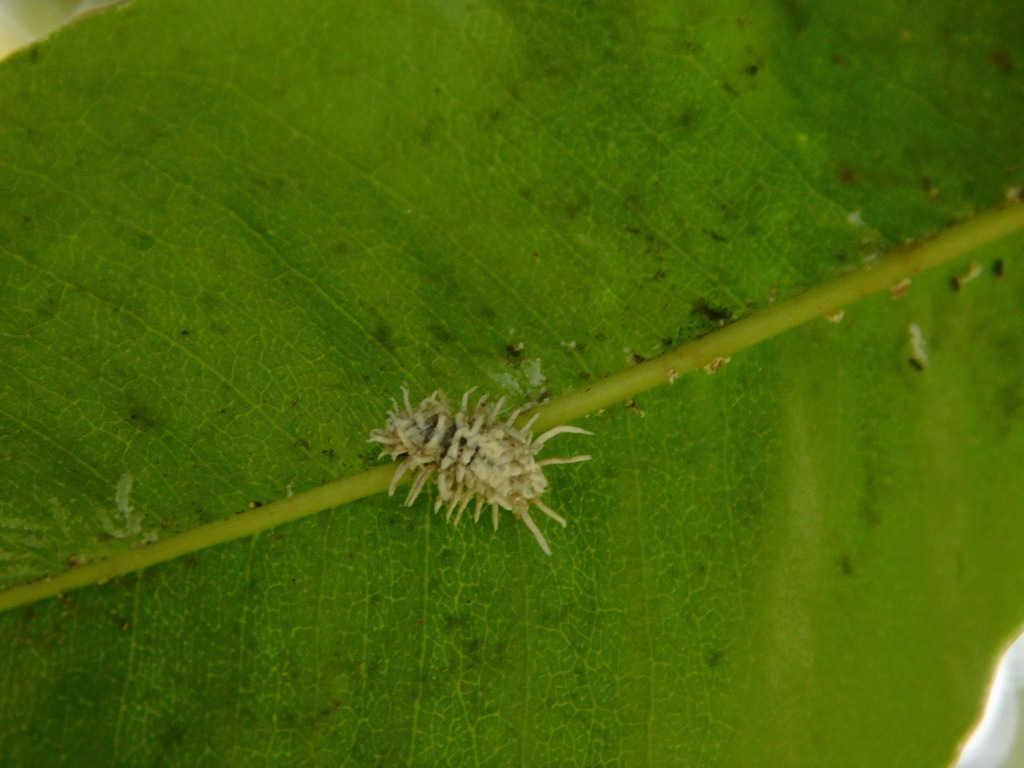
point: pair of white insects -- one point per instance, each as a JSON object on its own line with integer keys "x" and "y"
{"x": 472, "y": 455}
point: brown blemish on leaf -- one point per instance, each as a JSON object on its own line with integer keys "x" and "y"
{"x": 899, "y": 290}
{"x": 716, "y": 365}
{"x": 1001, "y": 60}
{"x": 846, "y": 175}
{"x": 715, "y": 314}
{"x": 846, "y": 565}
{"x": 632, "y": 407}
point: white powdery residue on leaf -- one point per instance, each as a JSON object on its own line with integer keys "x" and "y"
{"x": 506, "y": 381}
{"x": 526, "y": 376}
{"x": 128, "y": 523}
{"x": 17, "y": 524}
{"x": 534, "y": 376}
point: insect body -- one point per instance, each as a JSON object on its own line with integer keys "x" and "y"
{"x": 471, "y": 455}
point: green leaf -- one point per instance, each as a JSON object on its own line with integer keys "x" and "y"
{"x": 230, "y": 232}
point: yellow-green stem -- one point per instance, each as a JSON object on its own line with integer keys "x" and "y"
{"x": 821, "y": 300}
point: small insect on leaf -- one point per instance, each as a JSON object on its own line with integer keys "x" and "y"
{"x": 471, "y": 454}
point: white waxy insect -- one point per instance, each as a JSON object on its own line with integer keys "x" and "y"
{"x": 919, "y": 351}
{"x": 471, "y": 455}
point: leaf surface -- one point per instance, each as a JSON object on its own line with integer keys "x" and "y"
{"x": 230, "y": 231}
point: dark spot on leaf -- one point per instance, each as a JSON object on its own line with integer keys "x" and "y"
{"x": 715, "y": 236}
{"x": 140, "y": 418}
{"x": 1010, "y": 399}
{"x": 1001, "y": 60}
{"x": 526, "y": 193}
{"x": 667, "y": 341}
{"x": 441, "y": 333}
{"x": 753, "y": 69}
{"x": 846, "y": 175}
{"x": 728, "y": 88}
{"x": 635, "y": 358}
{"x": 453, "y": 621}
{"x": 190, "y": 562}
{"x": 47, "y": 308}
{"x": 171, "y": 736}
{"x": 33, "y": 55}
{"x": 871, "y": 516}
{"x": 579, "y": 204}
{"x": 714, "y": 658}
{"x": 184, "y": 332}
{"x": 210, "y": 301}
{"x": 916, "y": 364}
{"x": 729, "y": 212}
{"x": 471, "y": 647}
{"x": 141, "y": 241}
{"x": 797, "y": 14}
{"x": 846, "y": 565}
{"x": 998, "y": 269}
{"x": 661, "y": 274}
{"x": 705, "y": 310}
{"x": 275, "y": 536}
{"x": 382, "y": 333}
{"x": 840, "y": 61}
{"x": 688, "y": 118}
{"x": 514, "y": 351}
{"x": 302, "y": 443}
{"x": 328, "y": 452}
